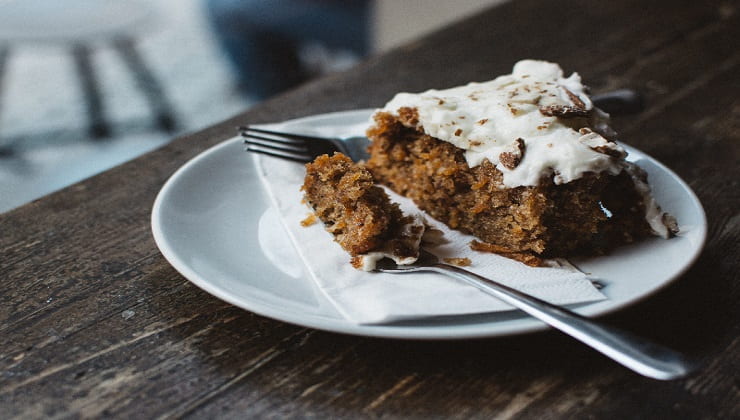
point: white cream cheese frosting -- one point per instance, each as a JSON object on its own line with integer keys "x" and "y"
{"x": 411, "y": 234}
{"x": 543, "y": 121}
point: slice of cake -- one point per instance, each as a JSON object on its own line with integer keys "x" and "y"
{"x": 359, "y": 214}
{"x": 524, "y": 162}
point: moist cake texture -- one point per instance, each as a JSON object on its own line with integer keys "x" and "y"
{"x": 524, "y": 162}
{"x": 360, "y": 214}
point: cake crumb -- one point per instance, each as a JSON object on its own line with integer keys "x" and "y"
{"x": 671, "y": 223}
{"x": 356, "y": 261}
{"x": 460, "y": 262}
{"x": 309, "y": 220}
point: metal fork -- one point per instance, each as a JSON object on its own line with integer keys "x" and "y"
{"x": 636, "y": 353}
{"x": 304, "y": 148}
{"x": 633, "y": 352}
{"x": 300, "y": 147}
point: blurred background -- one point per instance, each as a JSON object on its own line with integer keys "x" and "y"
{"x": 88, "y": 84}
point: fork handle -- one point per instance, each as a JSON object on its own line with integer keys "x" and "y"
{"x": 633, "y": 352}
{"x": 619, "y": 102}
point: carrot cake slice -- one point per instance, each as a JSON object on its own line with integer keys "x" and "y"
{"x": 359, "y": 213}
{"x": 524, "y": 162}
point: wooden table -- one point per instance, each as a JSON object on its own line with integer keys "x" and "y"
{"x": 76, "y": 264}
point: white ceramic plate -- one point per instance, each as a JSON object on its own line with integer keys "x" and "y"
{"x": 208, "y": 217}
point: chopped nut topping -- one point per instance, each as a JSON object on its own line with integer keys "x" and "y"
{"x": 601, "y": 145}
{"x": 563, "y": 111}
{"x": 578, "y": 109}
{"x": 458, "y": 131}
{"x": 605, "y": 149}
{"x": 511, "y": 158}
{"x": 575, "y": 99}
{"x": 482, "y": 121}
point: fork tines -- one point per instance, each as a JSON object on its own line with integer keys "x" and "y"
{"x": 282, "y": 145}
{"x": 295, "y": 147}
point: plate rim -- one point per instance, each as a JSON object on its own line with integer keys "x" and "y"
{"x": 395, "y": 331}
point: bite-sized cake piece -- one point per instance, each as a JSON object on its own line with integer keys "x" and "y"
{"x": 524, "y": 162}
{"x": 360, "y": 214}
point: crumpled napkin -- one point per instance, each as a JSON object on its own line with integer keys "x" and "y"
{"x": 373, "y": 298}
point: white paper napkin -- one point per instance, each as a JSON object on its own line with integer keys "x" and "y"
{"x": 366, "y": 298}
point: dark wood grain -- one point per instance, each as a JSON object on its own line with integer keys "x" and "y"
{"x": 94, "y": 322}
